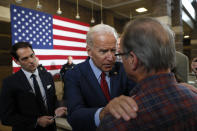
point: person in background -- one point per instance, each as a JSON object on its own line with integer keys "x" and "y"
{"x": 181, "y": 69}
{"x": 96, "y": 87}
{"x": 40, "y": 66}
{"x": 118, "y": 58}
{"x": 67, "y": 66}
{"x": 194, "y": 66}
{"x": 28, "y": 100}
{"x": 148, "y": 54}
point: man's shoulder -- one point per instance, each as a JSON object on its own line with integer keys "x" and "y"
{"x": 81, "y": 65}
{"x": 44, "y": 72}
{"x": 78, "y": 69}
{"x": 13, "y": 77}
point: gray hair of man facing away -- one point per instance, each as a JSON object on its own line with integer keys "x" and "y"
{"x": 152, "y": 42}
{"x": 100, "y": 28}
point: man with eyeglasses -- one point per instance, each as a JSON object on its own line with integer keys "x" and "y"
{"x": 99, "y": 85}
{"x": 148, "y": 54}
{"x": 28, "y": 99}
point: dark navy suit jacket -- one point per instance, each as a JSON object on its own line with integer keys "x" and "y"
{"x": 84, "y": 95}
{"x": 19, "y": 107}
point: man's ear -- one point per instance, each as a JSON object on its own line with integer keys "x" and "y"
{"x": 16, "y": 61}
{"x": 89, "y": 51}
{"x": 134, "y": 60}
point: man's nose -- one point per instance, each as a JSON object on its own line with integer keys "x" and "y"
{"x": 110, "y": 55}
{"x": 31, "y": 60}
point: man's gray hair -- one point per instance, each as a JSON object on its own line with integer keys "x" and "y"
{"x": 100, "y": 28}
{"x": 152, "y": 42}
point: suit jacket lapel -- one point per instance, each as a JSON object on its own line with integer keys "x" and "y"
{"x": 87, "y": 72}
{"x": 114, "y": 82}
{"x": 43, "y": 80}
{"x": 24, "y": 81}
{"x": 44, "y": 83}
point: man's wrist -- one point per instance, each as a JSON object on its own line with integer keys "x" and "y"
{"x": 102, "y": 113}
{"x": 96, "y": 117}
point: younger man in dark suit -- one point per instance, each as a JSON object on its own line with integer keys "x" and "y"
{"x": 28, "y": 99}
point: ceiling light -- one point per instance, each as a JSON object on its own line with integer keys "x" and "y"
{"x": 92, "y": 19}
{"x": 101, "y": 12}
{"x": 38, "y": 5}
{"x": 77, "y": 16}
{"x": 19, "y": 1}
{"x": 186, "y": 36}
{"x": 59, "y": 12}
{"x": 130, "y": 15}
{"x": 142, "y": 9}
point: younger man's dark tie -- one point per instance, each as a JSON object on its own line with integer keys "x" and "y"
{"x": 38, "y": 94}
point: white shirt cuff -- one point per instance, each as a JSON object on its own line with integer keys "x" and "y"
{"x": 96, "y": 117}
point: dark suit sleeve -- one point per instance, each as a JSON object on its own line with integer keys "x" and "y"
{"x": 80, "y": 116}
{"x": 9, "y": 114}
{"x": 62, "y": 71}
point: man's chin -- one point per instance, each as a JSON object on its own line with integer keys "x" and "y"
{"x": 33, "y": 68}
{"x": 107, "y": 69}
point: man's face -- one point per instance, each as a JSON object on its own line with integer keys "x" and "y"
{"x": 127, "y": 61}
{"x": 27, "y": 59}
{"x": 70, "y": 60}
{"x": 103, "y": 51}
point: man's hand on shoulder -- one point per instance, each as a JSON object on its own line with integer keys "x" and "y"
{"x": 121, "y": 107}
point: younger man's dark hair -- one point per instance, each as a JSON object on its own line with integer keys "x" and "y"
{"x": 17, "y": 46}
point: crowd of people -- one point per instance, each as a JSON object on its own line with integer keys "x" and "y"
{"x": 137, "y": 92}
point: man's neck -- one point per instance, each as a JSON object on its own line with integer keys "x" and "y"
{"x": 28, "y": 71}
{"x": 142, "y": 75}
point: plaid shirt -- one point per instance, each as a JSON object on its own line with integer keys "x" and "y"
{"x": 163, "y": 105}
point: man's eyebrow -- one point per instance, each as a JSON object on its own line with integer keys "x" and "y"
{"x": 24, "y": 58}
{"x": 27, "y": 56}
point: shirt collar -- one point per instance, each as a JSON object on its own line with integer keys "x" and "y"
{"x": 95, "y": 69}
{"x": 28, "y": 74}
{"x": 153, "y": 82}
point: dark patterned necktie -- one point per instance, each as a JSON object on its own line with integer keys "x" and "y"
{"x": 104, "y": 86}
{"x": 38, "y": 94}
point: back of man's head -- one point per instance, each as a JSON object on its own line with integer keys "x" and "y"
{"x": 100, "y": 28}
{"x": 152, "y": 42}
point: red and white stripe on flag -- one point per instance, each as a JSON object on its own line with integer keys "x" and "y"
{"x": 68, "y": 37}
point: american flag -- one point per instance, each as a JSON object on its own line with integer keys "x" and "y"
{"x": 53, "y": 38}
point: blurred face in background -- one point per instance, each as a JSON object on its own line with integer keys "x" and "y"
{"x": 118, "y": 45}
{"x": 103, "y": 51}
{"x": 70, "y": 60}
{"x": 26, "y": 59}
